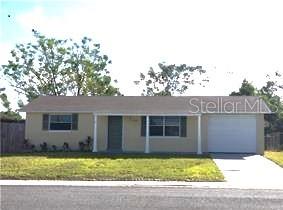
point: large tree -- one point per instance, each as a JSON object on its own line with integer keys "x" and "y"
{"x": 170, "y": 79}
{"x": 86, "y": 70}
{"x": 269, "y": 93}
{"x": 8, "y": 113}
{"x": 247, "y": 89}
{"x": 51, "y": 66}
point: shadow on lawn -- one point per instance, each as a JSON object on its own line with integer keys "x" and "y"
{"x": 91, "y": 155}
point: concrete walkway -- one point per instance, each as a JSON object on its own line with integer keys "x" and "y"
{"x": 249, "y": 171}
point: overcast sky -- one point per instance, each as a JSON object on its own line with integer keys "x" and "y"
{"x": 232, "y": 40}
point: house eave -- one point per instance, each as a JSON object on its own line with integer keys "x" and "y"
{"x": 142, "y": 113}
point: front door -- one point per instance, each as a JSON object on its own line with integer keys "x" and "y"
{"x": 114, "y": 133}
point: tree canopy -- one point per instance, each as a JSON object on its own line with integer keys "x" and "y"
{"x": 247, "y": 89}
{"x": 274, "y": 101}
{"x": 51, "y": 66}
{"x": 9, "y": 113}
{"x": 170, "y": 79}
{"x": 269, "y": 94}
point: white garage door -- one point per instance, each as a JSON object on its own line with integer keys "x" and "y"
{"x": 232, "y": 133}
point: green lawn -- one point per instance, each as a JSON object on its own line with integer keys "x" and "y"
{"x": 88, "y": 166}
{"x": 276, "y": 157}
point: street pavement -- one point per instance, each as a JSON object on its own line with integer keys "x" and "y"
{"x": 130, "y": 198}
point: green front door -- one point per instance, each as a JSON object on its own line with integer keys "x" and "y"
{"x": 115, "y": 133}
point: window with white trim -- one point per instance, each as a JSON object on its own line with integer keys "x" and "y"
{"x": 164, "y": 126}
{"x": 60, "y": 122}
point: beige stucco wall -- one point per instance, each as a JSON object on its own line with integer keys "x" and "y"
{"x": 204, "y": 129}
{"x": 102, "y": 133}
{"x": 132, "y": 139}
{"x": 134, "y": 142}
{"x": 37, "y": 136}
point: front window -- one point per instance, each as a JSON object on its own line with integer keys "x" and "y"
{"x": 164, "y": 126}
{"x": 60, "y": 122}
{"x": 156, "y": 126}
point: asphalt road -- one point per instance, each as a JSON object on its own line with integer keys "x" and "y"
{"x": 130, "y": 198}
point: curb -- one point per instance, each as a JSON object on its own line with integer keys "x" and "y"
{"x": 152, "y": 184}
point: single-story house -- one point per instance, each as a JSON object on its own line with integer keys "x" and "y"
{"x": 185, "y": 124}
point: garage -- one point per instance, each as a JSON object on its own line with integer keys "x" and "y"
{"x": 232, "y": 133}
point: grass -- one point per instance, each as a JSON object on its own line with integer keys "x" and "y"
{"x": 89, "y": 166}
{"x": 276, "y": 157}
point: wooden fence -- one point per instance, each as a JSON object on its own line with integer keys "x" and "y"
{"x": 274, "y": 141}
{"x": 12, "y": 134}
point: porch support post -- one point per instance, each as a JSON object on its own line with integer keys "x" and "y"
{"x": 147, "y": 135}
{"x": 199, "y": 151}
{"x": 94, "y": 147}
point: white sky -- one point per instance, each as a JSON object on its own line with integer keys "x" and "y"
{"x": 232, "y": 40}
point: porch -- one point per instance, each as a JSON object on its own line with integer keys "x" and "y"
{"x": 147, "y": 133}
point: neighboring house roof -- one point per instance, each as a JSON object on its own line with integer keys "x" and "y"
{"x": 151, "y": 105}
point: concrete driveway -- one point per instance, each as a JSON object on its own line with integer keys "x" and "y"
{"x": 249, "y": 171}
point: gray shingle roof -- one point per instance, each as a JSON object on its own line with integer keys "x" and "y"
{"x": 141, "y": 105}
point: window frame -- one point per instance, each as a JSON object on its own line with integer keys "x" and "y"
{"x": 49, "y": 122}
{"x": 179, "y": 125}
{"x": 164, "y": 127}
{"x": 161, "y": 125}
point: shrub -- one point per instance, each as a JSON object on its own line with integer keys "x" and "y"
{"x": 43, "y": 147}
{"x": 66, "y": 147}
{"x": 26, "y": 143}
{"x": 85, "y": 146}
{"x": 54, "y": 148}
{"x": 32, "y": 147}
{"x": 88, "y": 140}
{"x": 81, "y": 146}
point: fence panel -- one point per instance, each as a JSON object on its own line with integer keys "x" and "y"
{"x": 12, "y": 136}
{"x": 274, "y": 141}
